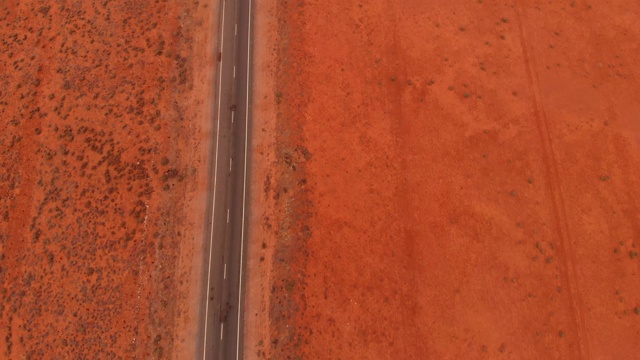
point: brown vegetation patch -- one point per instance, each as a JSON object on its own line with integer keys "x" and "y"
{"x": 102, "y": 116}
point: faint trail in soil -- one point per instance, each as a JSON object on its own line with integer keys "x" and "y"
{"x": 566, "y": 252}
{"x": 400, "y": 129}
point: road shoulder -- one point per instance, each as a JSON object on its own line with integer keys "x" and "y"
{"x": 260, "y": 244}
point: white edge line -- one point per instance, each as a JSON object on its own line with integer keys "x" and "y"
{"x": 213, "y": 205}
{"x": 225, "y": 271}
{"x": 244, "y": 190}
{"x": 221, "y": 331}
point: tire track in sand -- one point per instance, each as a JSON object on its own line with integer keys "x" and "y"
{"x": 568, "y": 265}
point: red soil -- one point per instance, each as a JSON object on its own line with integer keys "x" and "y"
{"x": 104, "y": 110}
{"x": 446, "y": 179}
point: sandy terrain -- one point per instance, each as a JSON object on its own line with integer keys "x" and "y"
{"x": 447, "y": 180}
{"x": 104, "y": 110}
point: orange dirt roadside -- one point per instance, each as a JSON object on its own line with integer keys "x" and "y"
{"x": 105, "y": 118}
{"x": 446, "y": 180}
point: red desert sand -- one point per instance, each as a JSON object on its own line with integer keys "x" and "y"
{"x": 105, "y": 126}
{"x": 445, "y": 180}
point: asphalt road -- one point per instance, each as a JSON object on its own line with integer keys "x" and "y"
{"x": 221, "y": 310}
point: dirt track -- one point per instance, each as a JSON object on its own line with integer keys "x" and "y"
{"x": 447, "y": 179}
{"x": 104, "y": 110}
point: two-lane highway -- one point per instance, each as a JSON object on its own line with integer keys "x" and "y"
{"x": 221, "y": 310}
